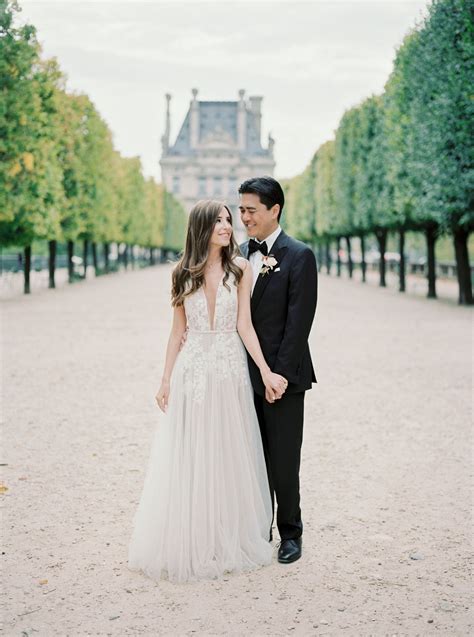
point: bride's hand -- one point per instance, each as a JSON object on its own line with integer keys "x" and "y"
{"x": 269, "y": 395}
{"x": 275, "y": 386}
{"x": 162, "y": 396}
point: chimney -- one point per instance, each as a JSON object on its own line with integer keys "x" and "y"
{"x": 194, "y": 123}
{"x": 165, "y": 139}
{"x": 241, "y": 122}
{"x": 256, "y": 110}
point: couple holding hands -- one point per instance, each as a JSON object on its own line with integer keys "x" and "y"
{"x": 229, "y": 442}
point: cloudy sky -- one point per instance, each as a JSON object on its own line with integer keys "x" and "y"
{"x": 309, "y": 60}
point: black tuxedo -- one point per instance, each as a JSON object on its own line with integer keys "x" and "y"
{"x": 283, "y": 305}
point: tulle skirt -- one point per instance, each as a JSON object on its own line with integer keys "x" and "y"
{"x": 205, "y": 508}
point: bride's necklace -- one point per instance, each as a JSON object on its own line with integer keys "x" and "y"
{"x": 212, "y": 265}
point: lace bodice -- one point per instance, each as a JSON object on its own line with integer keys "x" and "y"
{"x": 225, "y": 312}
{"x": 211, "y": 356}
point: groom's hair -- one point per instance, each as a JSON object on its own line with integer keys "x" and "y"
{"x": 268, "y": 190}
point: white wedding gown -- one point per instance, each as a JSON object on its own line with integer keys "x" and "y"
{"x": 205, "y": 508}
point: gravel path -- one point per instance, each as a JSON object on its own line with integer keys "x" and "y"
{"x": 385, "y": 493}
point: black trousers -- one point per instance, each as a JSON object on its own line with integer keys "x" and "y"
{"x": 281, "y": 427}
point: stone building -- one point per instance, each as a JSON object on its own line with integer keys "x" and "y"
{"x": 217, "y": 148}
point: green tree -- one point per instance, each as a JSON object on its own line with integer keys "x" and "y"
{"x": 155, "y": 215}
{"x": 326, "y": 221}
{"x": 346, "y": 166}
{"x": 405, "y": 162}
{"x": 31, "y": 193}
{"x": 443, "y": 110}
{"x": 174, "y": 224}
{"x": 374, "y": 204}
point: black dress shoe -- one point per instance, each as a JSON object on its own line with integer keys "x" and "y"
{"x": 289, "y": 551}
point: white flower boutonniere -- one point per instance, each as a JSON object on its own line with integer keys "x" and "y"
{"x": 268, "y": 263}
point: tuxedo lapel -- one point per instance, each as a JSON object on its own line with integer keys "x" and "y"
{"x": 278, "y": 251}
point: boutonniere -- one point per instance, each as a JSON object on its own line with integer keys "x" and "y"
{"x": 268, "y": 263}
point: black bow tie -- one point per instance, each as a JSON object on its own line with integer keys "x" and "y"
{"x": 254, "y": 246}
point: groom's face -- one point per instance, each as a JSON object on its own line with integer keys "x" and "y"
{"x": 258, "y": 220}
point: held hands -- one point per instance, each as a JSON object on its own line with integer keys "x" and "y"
{"x": 162, "y": 396}
{"x": 183, "y": 339}
{"x": 275, "y": 386}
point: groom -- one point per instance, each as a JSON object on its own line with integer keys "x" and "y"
{"x": 283, "y": 305}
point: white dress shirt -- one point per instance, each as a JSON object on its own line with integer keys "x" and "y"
{"x": 256, "y": 257}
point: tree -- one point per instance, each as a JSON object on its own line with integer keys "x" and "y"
{"x": 374, "y": 212}
{"x": 443, "y": 109}
{"x": 325, "y": 198}
{"x": 30, "y": 178}
{"x": 175, "y": 223}
{"x": 346, "y": 168}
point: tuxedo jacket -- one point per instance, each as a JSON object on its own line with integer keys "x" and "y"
{"x": 283, "y": 305}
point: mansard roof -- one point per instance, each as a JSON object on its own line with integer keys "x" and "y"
{"x": 218, "y": 119}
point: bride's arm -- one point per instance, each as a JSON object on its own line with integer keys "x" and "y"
{"x": 248, "y": 335}
{"x": 174, "y": 341}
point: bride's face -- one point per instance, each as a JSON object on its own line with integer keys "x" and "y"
{"x": 222, "y": 232}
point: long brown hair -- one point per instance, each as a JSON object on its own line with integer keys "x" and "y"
{"x": 188, "y": 274}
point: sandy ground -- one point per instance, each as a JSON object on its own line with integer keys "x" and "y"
{"x": 385, "y": 493}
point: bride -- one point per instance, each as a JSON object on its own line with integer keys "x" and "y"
{"x": 205, "y": 508}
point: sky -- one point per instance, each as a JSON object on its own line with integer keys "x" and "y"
{"x": 311, "y": 61}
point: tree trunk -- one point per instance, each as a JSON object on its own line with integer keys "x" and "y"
{"x": 401, "y": 267}
{"x": 132, "y": 257}
{"x": 27, "y": 270}
{"x": 106, "y": 257}
{"x": 151, "y": 257}
{"x": 70, "y": 262}
{"x": 85, "y": 256}
{"x": 463, "y": 267}
{"x": 338, "y": 248}
{"x": 382, "y": 241}
{"x": 320, "y": 257}
{"x": 363, "y": 263}
{"x": 52, "y": 263}
{"x": 94, "y": 258}
{"x": 430, "y": 249}
{"x": 125, "y": 256}
{"x": 328, "y": 256}
{"x": 350, "y": 266}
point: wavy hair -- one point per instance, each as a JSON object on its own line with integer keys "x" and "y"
{"x": 188, "y": 274}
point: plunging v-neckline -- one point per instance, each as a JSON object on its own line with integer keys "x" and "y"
{"x": 210, "y": 323}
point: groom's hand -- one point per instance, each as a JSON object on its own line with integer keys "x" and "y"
{"x": 275, "y": 386}
{"x": 269, "y": 396}
{"x": 183, "y": 339}
{"x": 275, "y": 392}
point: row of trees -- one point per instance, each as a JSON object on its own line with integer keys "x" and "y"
{"x": 404, "y": 160}
{"x": 61, "y": 179}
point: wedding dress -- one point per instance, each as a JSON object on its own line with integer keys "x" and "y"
{"x": 205, "y": 508}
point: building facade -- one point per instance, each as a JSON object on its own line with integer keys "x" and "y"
{"x": 217, "y": 148}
